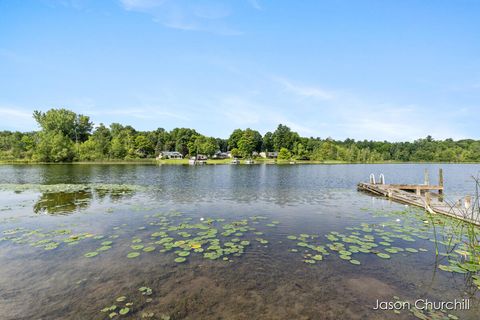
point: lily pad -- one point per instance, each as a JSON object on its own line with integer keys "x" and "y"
{"x": 91, "y": 254}
{"x": 124, "y": 311}
{"x": 132, "y": 255}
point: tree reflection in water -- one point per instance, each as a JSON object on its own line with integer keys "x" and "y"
{"x": 62, "y": 203}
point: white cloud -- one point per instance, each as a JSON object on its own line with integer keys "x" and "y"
{"x": 207, "y": 16}
{"x": 150, "y": 112}
{"x": 240, "y": 111}
{"x": 15, "y": 118}
{"x": 304, "y": 91}
{"x": 255, "y": 4}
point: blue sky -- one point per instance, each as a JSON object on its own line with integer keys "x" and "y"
{"x": 394, "y": 70}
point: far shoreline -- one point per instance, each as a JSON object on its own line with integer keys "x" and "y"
{"x": 178, "y": 162}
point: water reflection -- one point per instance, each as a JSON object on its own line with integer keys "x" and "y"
{"x": 63, "y": 203}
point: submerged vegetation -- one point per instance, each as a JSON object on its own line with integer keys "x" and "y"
{"x": 66, "y": 136}
{"x": 182, "y": 240}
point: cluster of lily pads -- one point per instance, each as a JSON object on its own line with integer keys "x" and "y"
{"x": 457, "y": 246}
{"x": 69, "y": 188}
{"x": 393, "y": 236}
{"x": 47, "y": 240}
{"x": 210, "y": 238}
{"x": 364, "y": 239}
{"x": 123, "y": 306}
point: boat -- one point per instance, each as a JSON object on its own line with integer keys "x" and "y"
{"x": 235, "y": 161}
{"x": 197, "y": 161}
{"x": 249, "y": 161}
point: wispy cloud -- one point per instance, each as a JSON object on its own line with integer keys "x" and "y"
{"x": 240, "y": 111}
{"x": 207, "y": 16}
{"x": 255, "y": 4}
{"x": 303, "y": 90}
{"x": 16, "y": 118}
{"x": 151, "y": 112}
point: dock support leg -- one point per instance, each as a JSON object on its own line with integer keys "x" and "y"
{"x": 440, "y": 183}
{"x": 426, "y": 178}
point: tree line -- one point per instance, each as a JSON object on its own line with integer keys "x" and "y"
{"x": 65, "y": 136}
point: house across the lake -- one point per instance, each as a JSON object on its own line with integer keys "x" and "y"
{"x": 270, "y": 155}
{"x": 221, "y": 155}
{"x": 170, "y": 155}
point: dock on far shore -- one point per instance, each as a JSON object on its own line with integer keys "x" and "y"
{"x": 429, "y": 197}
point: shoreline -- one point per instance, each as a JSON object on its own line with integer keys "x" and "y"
{"x": 217, "y": 162}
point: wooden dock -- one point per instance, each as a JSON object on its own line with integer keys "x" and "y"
{"x": 429, "y": 197}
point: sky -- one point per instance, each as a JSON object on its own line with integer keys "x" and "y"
{"x": 382, "y": 70}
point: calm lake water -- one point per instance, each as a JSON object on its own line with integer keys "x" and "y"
{"x": 220, "y": 242}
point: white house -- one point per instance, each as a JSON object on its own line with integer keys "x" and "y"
{"x": 170, "y": 155}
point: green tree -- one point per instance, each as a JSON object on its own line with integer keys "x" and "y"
{"x": 283, "y": 137}
{"x": 54, "y": 147}
{"x": 143, "y": 146}
{"x": 284, "y": 154}
{"x": 246, "y": 144}
{"x": 267, "y": 143}
{"x": 234, "y": 138}
{"x": 117, "y": 149}
{"x": 249, "y": 142}
{"x": 235, "y": 153}
{"x": 68, "y": 123}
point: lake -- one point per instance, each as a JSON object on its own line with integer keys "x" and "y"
{"x": 93, "y": 241}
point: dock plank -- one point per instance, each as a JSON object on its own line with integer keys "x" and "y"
{"x": 433, "y": 203}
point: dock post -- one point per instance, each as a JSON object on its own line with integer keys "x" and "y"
{"x": 468, "y": 202}
{"x": 372, "y": 178}
{"x": 440, "y": 183}
{"x": 426, "y": 178}
{"x": 381, "y": 178}
{"x": 428, "y": 200}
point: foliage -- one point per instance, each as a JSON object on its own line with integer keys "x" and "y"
{"x": 249, "y": 142}
{"x": 66, "y": 136}
{"x": 284, "y": 154}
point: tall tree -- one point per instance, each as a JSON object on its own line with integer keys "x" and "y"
{"x": 234, "y": 139}
{"x": 68, "y": 123}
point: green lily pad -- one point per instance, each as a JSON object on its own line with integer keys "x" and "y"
{"x": 383, "y": 255}
{"x": 124, "y": 311}
{"x": 132, "y": 255}
{"x": 91, "y": 254}
{"x": 180, "y": 259}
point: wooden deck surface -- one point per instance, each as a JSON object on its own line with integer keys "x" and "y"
{"x": 420, "y": 196}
